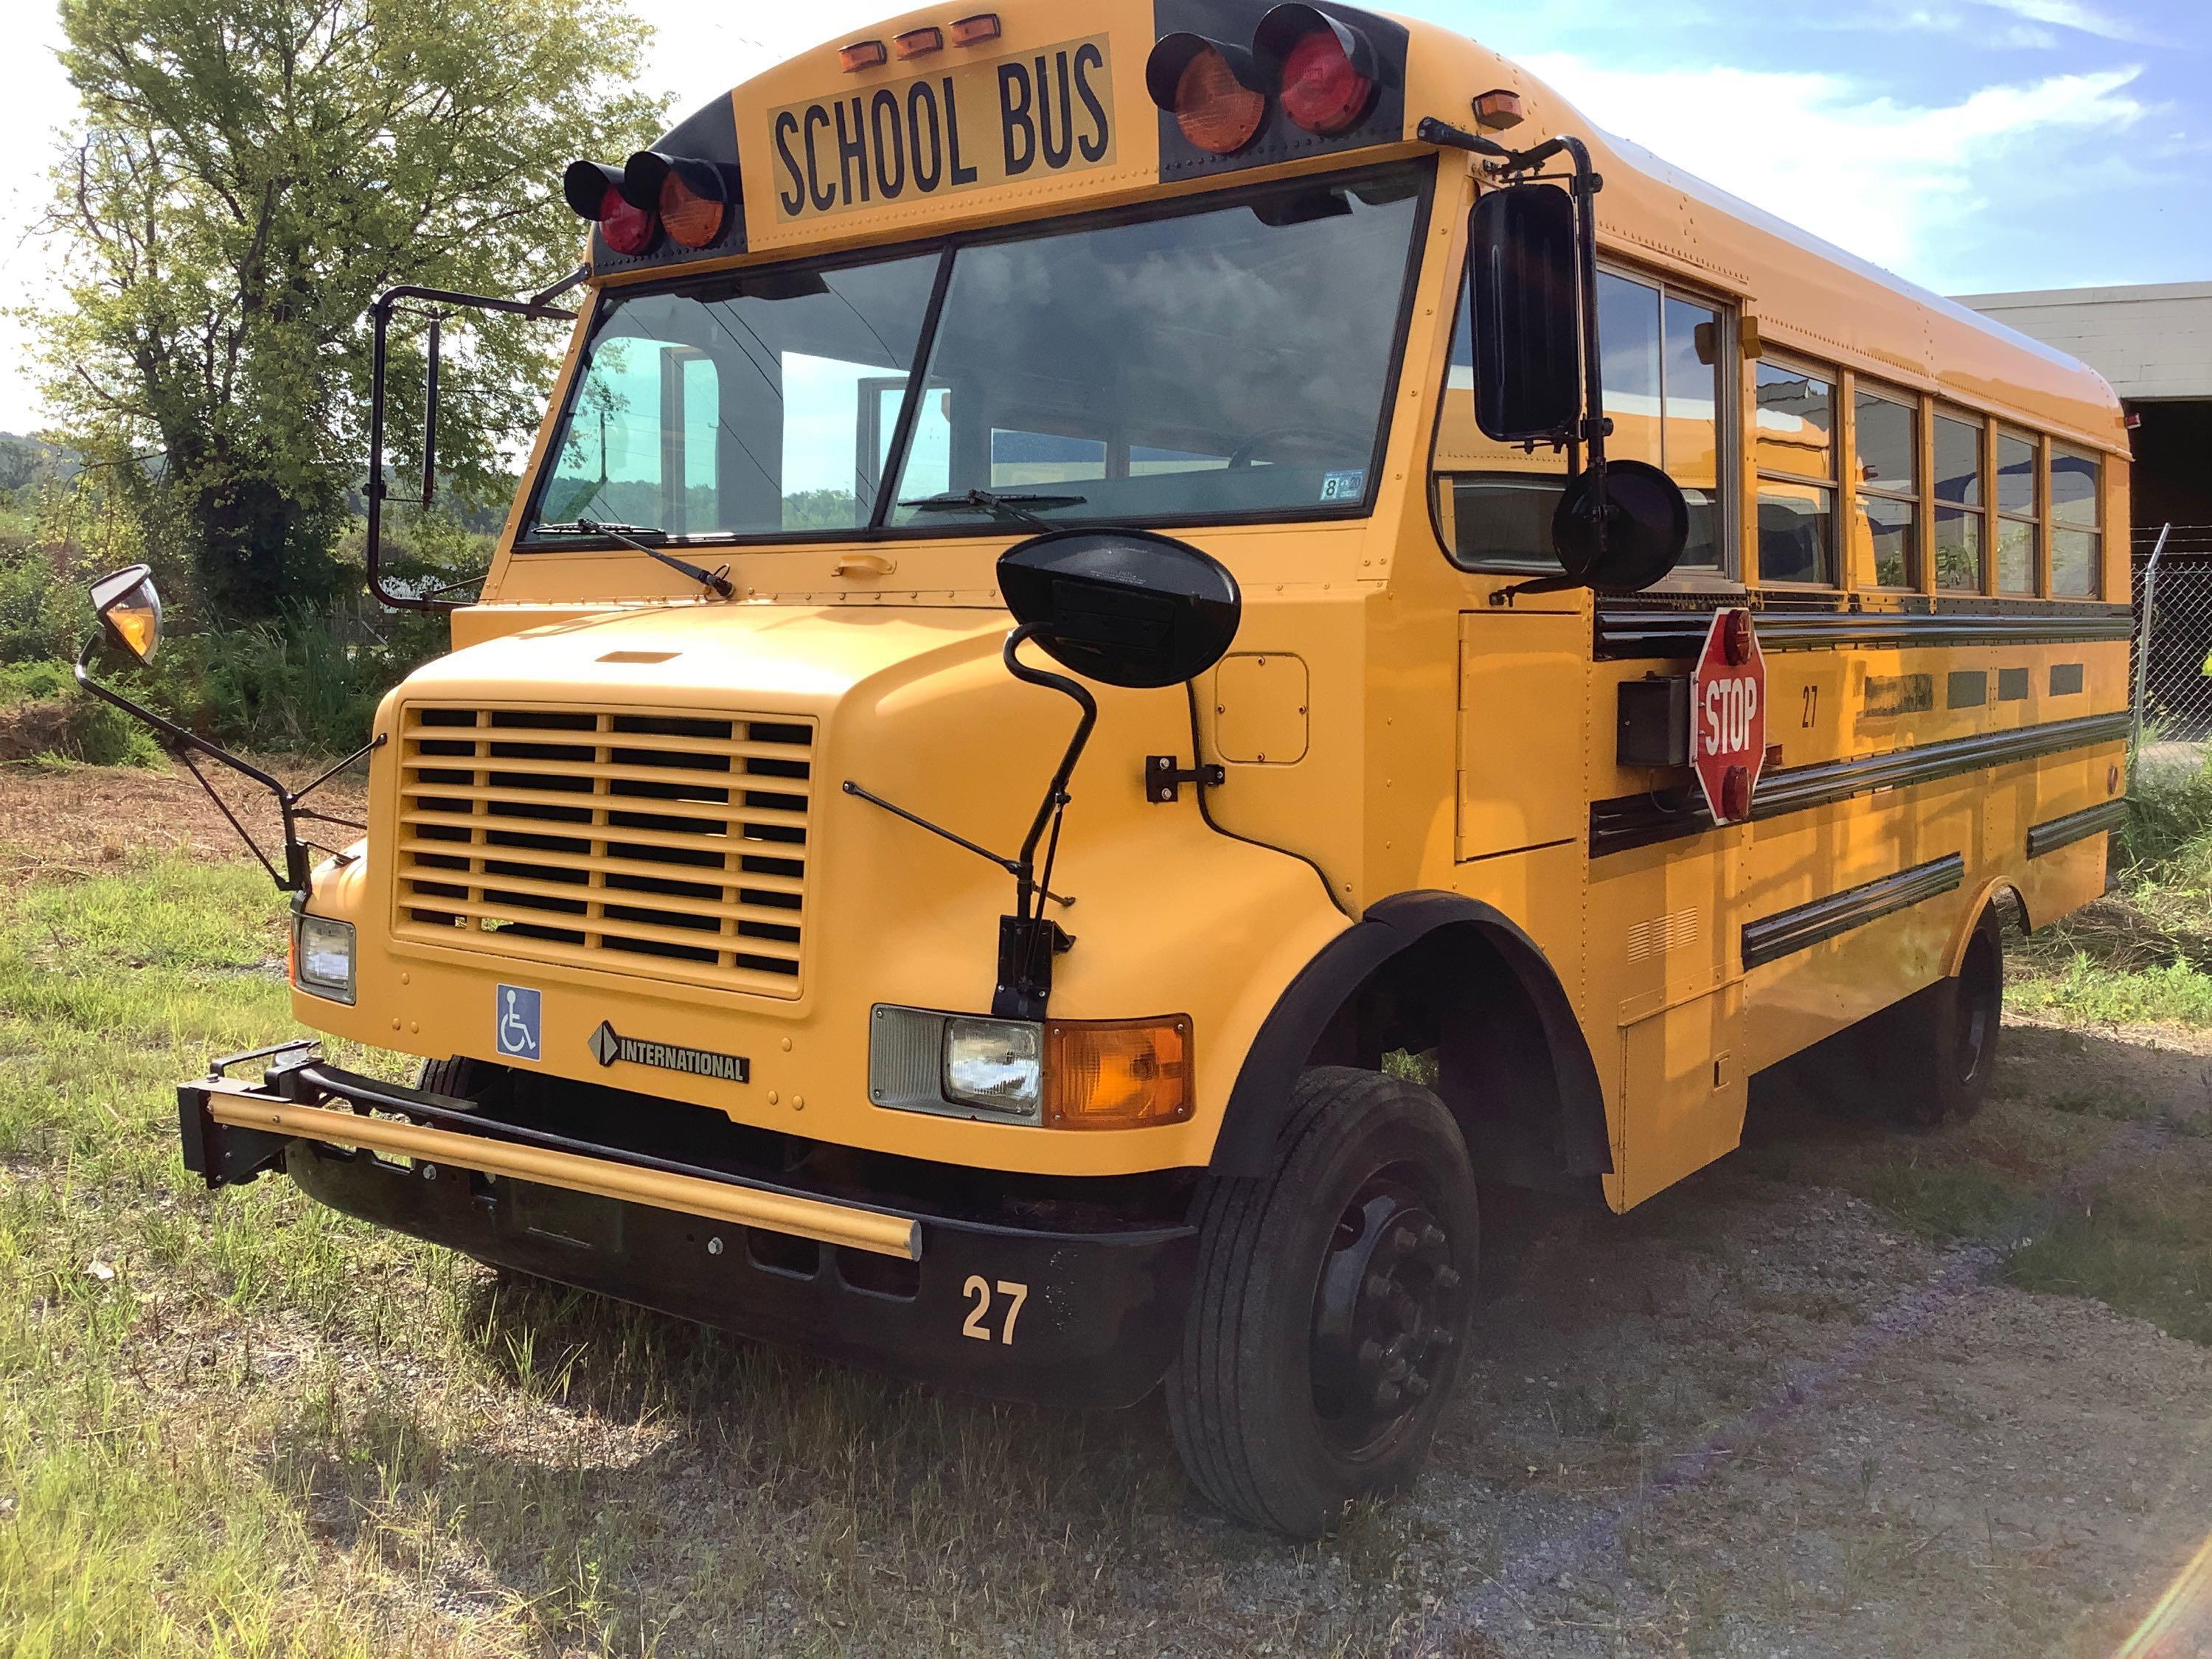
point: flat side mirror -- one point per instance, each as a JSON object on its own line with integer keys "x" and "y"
{"x": 1646, "y": 522}
{"x": 1123, "y": 607}
{"x": 1524, "y": 286}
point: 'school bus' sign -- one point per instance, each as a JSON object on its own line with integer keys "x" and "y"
{"x": 1033, "y": 115}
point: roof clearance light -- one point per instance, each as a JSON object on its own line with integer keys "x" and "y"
{"x": 918, "y": 43}
{"x": 1324, "y": 69}
{"x": 974, "y": 31}
{"x": 1210, "y": 88}
{"x": 863, "y": 55}
{"x": 595, "y": 192}
{"x": 1499, "y": 109}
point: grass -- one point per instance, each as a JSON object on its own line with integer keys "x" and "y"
{"x": 2143, "y": 1247}
{"x": 240, "y": 1423}
{"x": 2142, "y": 954}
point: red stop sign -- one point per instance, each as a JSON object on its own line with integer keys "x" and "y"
{"x": 1727, "y": 715}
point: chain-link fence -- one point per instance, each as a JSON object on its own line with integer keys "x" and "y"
{"x": 2174, "y": 633}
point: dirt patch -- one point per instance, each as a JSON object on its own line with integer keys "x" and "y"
{"x": 33, "y": 728}
{"x": 56, "y": 819}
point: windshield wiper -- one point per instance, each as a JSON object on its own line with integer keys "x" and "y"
{"x": 1023, "y": 509}
{"x": 631, "y": 534}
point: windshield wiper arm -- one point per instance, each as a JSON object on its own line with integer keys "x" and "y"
{"x": 1020, "y": 508}
{"x": 632, "y": 535}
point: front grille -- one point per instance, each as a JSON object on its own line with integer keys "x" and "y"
{"x": 672, "y": 845}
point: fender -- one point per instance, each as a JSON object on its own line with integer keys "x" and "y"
{"x": 1996, "y": 894}
{"x": 1390, "y": 928}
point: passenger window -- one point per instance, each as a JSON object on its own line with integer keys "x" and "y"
{"x": 1793, "y": 442}
{"x": 1492, "y": 502}
{"x": 2077, "y": 546}
{"x": 2020, "y": 525}
{"x": 1661, "y": 357}
{"x": 1887, "y": 435}
{"x": 1961, "y": 504}
{"x": 1024, "y": 460}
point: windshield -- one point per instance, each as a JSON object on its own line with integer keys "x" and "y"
{"x": 1227, "y": 360}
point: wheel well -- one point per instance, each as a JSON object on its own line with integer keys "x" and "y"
{"x": 1473, "y": 999}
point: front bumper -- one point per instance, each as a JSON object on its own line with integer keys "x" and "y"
{"x": 1066, "y": 1315}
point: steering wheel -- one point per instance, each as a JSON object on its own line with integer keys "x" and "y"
{"x": 1337, "y": 441}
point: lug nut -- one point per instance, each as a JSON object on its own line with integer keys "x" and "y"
{"x": 1417, "y": 1385}
{"x": 1432, "y": 1237}
{"x": 1371, "y": 1352}
{"x": 1377, "y": 1286}
{"x": 1402, "y": 1241}
{"x": 1447, "y": 1278}
{"x": 1386, "y": 1395}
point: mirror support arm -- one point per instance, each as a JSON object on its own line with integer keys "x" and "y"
{"x": 296, "y": 875}
{"x": 539, "y": 305}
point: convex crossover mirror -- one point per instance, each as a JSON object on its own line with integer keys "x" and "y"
{"x": 1646, "y": 525}
{"x": 130, "y": 610}
{"x": 1123, "y": 607}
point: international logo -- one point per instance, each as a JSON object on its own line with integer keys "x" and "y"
{"x": 610, "y": 1047}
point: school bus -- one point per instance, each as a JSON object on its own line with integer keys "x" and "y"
{"x": 1104, "y": 587}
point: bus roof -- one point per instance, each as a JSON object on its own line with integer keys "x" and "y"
{"x": 1050, "y": 113}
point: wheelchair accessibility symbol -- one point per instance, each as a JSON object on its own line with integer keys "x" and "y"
{"x": 517, "y": 1022}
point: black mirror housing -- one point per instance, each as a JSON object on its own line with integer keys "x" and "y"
{"x": 1524, "y": 282}
{"x": 1646, "y": 525}
{"x": 1123, "y": 607}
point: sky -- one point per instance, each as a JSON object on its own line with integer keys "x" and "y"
{"x": 1970, "y": 145}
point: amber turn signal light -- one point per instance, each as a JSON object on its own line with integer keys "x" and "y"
{"x": 974, "y": 31}
{"x": 1118, "y": 1074}
{"x": 863, "y": 55}
{"x": 919, "y": 43}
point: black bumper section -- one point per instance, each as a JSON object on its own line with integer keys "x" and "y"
{"x": 1061, "y": 1318}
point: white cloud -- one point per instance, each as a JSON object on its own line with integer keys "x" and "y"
{"x": 1890, "y": 181}
{"x": 2068, "y": 14}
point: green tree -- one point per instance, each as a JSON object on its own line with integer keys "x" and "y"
{"x": 250, "y": 175}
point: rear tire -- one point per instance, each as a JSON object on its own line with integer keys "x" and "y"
{"x": 1939, "y": 1047}
{"x": 1332, "y": 1306}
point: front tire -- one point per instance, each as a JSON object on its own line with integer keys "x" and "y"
{"x": 1332, "y": 1306}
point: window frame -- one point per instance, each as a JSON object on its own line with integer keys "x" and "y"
{"x": 1981, "y": 513}
{"x": 1727, "y": 418}
{"x": 1914, "y": 404}
{"x": 2039, "y": 521}
{"x": 2095, "y": 530}
{"x": 1839, "y": 411}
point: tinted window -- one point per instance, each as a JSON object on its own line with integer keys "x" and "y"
{"x": 1888, "y": 445}
{"x": 756, "y": 411}
{"x": 1796, "y": 431}
{"x": 2073, "y": 487}
{"x": 2015, "y": 475}
{"x": 1795, "y": 530}
{"x": 1230, "y": 360}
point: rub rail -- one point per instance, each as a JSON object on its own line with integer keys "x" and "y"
{"x": 806, "y": 1218}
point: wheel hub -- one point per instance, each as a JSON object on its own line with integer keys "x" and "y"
{"x": 1384, "y": 1315}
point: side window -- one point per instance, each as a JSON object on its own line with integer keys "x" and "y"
{"x": 1886, "y": 432}
{"x": 1962, "y": 503}
{"x": 1794, "y": 445}
{"x": 2019, "y": 517}
{"x": 2078, "y": 543}
{"x": 1492, "y": 502}
{"x": 1663, "y": 355}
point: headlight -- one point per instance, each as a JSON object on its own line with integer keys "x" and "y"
{"x": 997, "y": 1064}
{"x": 322, "y": 958}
